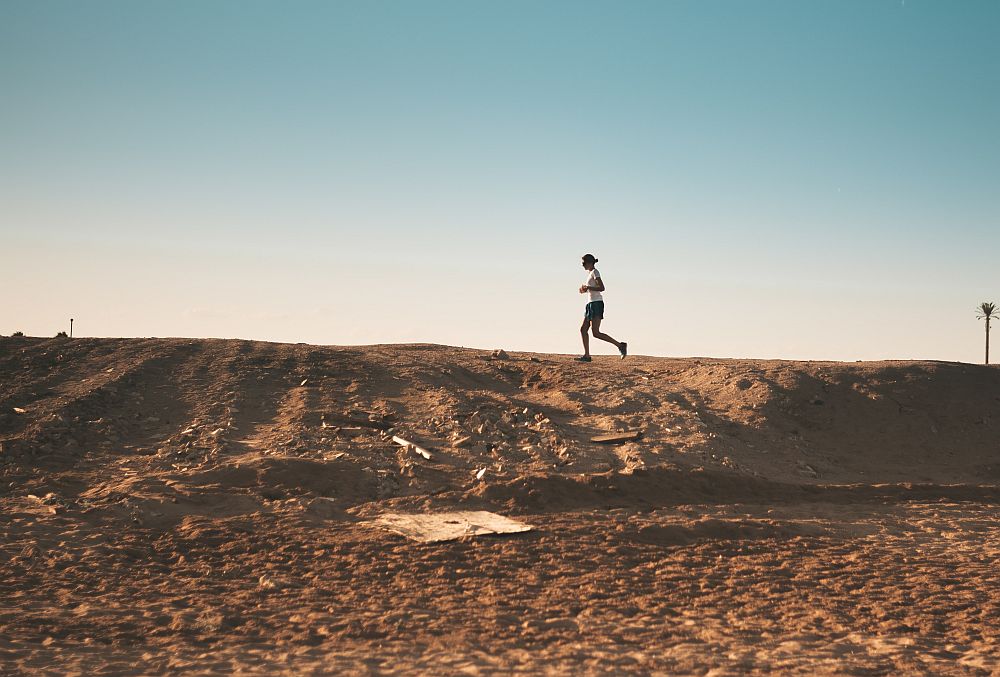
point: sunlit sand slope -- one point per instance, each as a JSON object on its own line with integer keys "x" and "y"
{"x": 207, "y": 505}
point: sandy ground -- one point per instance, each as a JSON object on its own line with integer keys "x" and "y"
{"x": 174, "y": 505}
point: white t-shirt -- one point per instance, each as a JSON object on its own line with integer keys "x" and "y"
{"x": 592, "y": 282}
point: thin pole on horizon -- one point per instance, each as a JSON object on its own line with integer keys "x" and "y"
{"x": 71, "y": 327}
{"x": 987, "y": 311}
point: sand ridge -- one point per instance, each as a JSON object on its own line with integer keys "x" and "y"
{"x": 205, "y": 505}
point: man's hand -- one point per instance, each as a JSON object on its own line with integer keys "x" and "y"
{"x": 583, "y": 288}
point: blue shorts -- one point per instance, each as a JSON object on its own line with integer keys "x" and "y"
{"x": 594, "y": 311}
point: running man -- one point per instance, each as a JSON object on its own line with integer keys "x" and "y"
{"x": 595, "y": 311}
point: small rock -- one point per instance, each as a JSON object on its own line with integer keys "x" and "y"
{"x": 500, "y": 354}
{"x": 561, "y": 624}
{"x": 326, "y": 508}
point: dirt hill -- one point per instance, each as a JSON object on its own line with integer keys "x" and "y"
{"x": 221, "y": 461}
{"x": 213, "y": 405}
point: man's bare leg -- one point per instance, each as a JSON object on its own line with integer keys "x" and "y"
{"x": 584, "y": 328}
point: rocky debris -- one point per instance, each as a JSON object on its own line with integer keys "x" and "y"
{"x": 448, "y": 526}
{"x": 500, "y": 354}
{"x": 51, "y": 502}
{"x": 613, "y": 438}
{"x": 497, "y": 431}
{"x": 377, "y": 421}
{"x": 326, "y": 508}
{"x": 269, "y": 583}
{"x": 807, "y": 470}
{"x": 412, "y": 447}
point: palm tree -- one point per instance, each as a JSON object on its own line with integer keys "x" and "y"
{"x": 987, "y": 311}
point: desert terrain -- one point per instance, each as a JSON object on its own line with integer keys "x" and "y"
{"x": 210, "y": 506}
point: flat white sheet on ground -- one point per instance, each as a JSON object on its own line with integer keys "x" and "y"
{"x": 448, "y": 526}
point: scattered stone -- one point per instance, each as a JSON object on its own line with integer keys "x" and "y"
{"x": 560, "y": 624}
{"x": 410, "y": 445}
{"x": 449, "y": 526}
{"x": 617, "y": 437}
{"x": 19, "y": 410}
{"x": 500, "y": 354}
{"x": 326, "y": 508}
{"x": 364, "y": 422}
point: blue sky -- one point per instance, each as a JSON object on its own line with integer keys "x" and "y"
{"x": 810, "y": 180}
